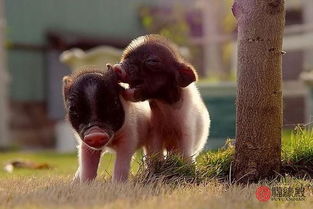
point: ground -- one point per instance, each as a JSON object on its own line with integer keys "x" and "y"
{"x": 52, "y": 188}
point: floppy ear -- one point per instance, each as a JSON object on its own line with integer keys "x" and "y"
{"x": 186, "y": 75}
{"x": 67, "y": 83}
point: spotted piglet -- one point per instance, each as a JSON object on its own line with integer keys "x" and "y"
{"x": 155, "y": 71}
{"x": 103, "y": 121}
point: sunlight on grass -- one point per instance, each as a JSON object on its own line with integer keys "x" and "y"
{"x": 58, "y": 192}
{"x": 216, "y": 164}
{"x": 299, "y": 146}
{"x": 297, "y": 156}
{"x": 297, "y": 150}
{"x": 177, "y": 185}
{"x": 61, "y": 164}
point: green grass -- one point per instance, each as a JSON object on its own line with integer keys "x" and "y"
{"x": 173, "y": 170}
{"x": 61, "y": 164}
{"x": 297, "y": 156}
{"x": 216, "y": 164}
{"x": 202, "y": 186}
{"x": 297, "y": 153}
{"x": 298, "y": 146}
{"x": 297, "y": 160}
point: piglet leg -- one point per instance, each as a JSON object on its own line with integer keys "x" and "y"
{"x": 122, "y": 165}
{"x": 88, "y": 164}
{"x": 154, "y": 148}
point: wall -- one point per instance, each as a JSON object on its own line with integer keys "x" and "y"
{"x": 28, "y": 21}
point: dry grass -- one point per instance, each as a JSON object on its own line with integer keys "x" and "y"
{"x": 174, "y": 184}
{"x": 57, "y": 192}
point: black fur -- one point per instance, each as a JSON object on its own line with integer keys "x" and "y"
{"x": 153, "y": 65}
{"x": 105, "y": 110}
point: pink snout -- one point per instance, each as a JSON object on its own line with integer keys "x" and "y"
{"x": 118, "y": 69}
{"x": 96, "y": 137}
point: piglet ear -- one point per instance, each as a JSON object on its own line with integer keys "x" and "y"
{"x": 186, "y": 75}
{"x": 67, "y": 83}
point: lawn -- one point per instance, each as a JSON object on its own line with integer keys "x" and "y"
{"x": 52, "y": 188}
{"x": 61, "y": 164}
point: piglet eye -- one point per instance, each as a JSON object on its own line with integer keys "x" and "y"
{"x": 153, "y": 61}
{"x": 132, "y": 67}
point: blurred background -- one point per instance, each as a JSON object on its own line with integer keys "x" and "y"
{"x": 35, "y": 33}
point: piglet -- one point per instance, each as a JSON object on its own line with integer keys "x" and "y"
{"x": 103, "y": 121}
{"x": 155, "y": 71}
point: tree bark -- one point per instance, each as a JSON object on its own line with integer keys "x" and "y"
{"x": 259, "y": 93}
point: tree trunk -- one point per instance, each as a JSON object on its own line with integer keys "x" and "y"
{"x": 4, "y": 136}
{"x": 259, "y": 93}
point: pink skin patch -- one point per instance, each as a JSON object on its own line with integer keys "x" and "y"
{"x": 128, "y": 94}
{"x": 118, "y": 69}
{"x": 96, "y": 137}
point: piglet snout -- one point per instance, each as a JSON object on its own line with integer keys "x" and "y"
{"x": 119, "y": 70}
{"x": 96, "y": 137}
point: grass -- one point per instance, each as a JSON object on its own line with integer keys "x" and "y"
{"x": 216, "y": 164}
{"x": 61, "y": 164}
{"x": 57, "y": 192}
{"x": 299, "y": 147}
{"x": 203, "y": 186}
{"x": 297, "y": 156}
{"x": 297, "y": 153}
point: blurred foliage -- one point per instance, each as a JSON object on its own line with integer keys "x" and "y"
{"x": 229, "y": 22}
{"x": 172, "y": 24}
{"x": 181, "y": 25}
{"x": 169, "y": 22}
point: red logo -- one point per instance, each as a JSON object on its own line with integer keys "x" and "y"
{"x": 263, "y": 193}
